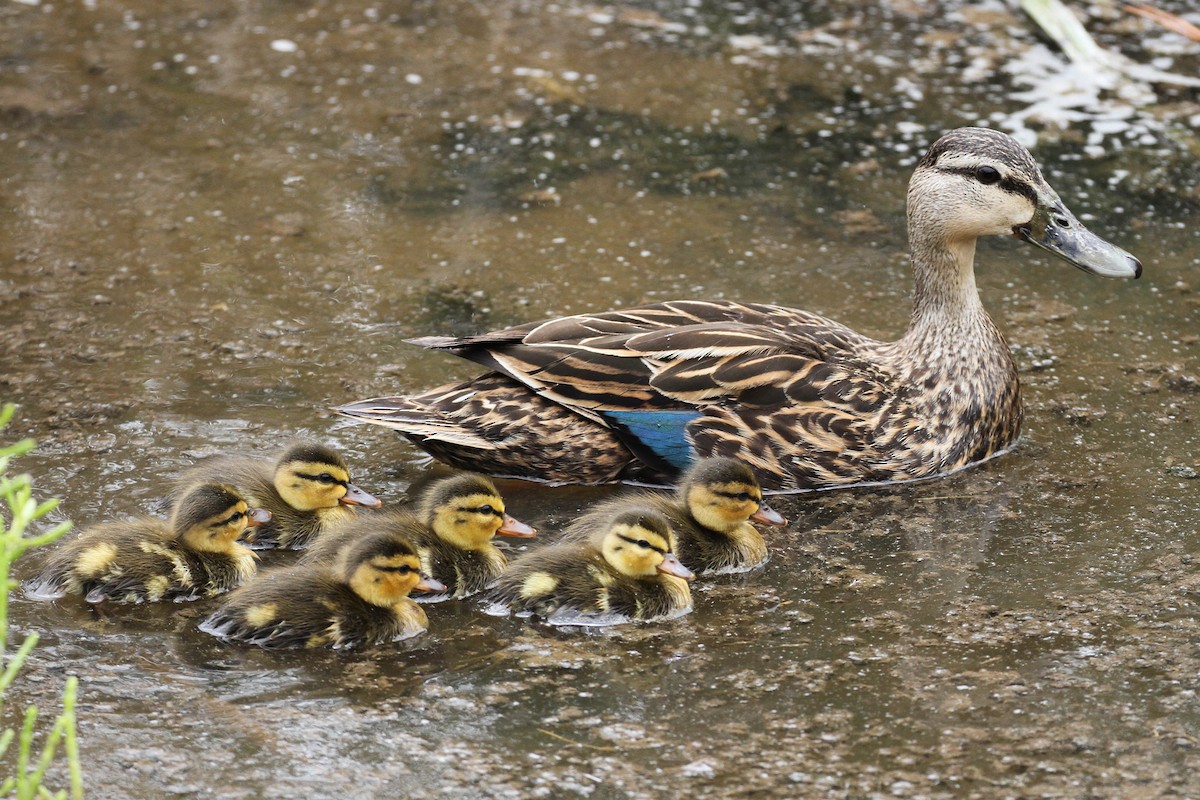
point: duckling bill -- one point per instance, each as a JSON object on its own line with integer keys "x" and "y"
{"x": 452, "y": 530}
{"x": 194, "y": 554}
{"x": 640, "y": 394}
{"x": 306, "y": 489}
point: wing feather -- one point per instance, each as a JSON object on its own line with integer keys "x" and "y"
{"x": 794, "y": 393}
{"x": 671, "y": 356}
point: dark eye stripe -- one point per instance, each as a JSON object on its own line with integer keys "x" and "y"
{"x": 324, "y": 477}
{"x": 483, "y": 510}
{"x": 1009, "y": 184}
{"x": 232, "y": 518}
{"x": 1019, "y": 188}
{"x": 738, "y": 496}
{"x": 641, "y": 543}
{"x": 403, "y": 569}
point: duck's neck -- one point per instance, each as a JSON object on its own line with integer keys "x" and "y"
{"x": 947, "y": 313}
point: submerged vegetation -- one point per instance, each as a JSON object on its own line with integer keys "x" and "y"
{"x": 30, "y": 767}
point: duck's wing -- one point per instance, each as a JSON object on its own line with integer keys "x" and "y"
{"x": 665, "y": 356}
{"x": 723, "y": 378}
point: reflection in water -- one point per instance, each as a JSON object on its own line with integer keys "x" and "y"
{"x": 212, "y": 240}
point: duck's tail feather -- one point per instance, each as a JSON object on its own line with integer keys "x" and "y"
{"x": 494, "y": 424}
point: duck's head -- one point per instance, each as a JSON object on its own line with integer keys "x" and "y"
{"x": 467, "y": 511}
{"x": 637, "y": 543}
{"x": 211, "y": 517}
{"x": 722, "y": 494}
{"x": 978, "y": 182}
{"x": 310, "y": 477}
{"x": 383, "y": 568}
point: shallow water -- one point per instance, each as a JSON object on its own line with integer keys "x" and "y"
{"x": 213, "y": 235}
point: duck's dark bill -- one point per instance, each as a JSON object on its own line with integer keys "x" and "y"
{"x": 1055, "y": 229}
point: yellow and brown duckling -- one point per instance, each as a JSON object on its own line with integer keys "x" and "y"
{"x": 710, "y": 516}
{"x": 194, "y": 554}
{"x": 306, "y": 490}
{"x": 362, "y": 602}
{"x": 624, "y": 571}
{"x": 453, "y": 531}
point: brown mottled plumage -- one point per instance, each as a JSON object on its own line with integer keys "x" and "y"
{"x": 808, "y": 403}
{"x": 624, "y": 571}
{"x": 306, "y": 489}
{"x": 709, "y": 515}
{"x": 194, "y": 554}
{"x": 452, "y": 530}
{"x": 362, "y": 602}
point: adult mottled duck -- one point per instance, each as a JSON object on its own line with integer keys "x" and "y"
{"x": 808, "y": 403}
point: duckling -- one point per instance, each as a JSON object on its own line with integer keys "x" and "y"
{"x": 625, "y": 569}
{"x": 709, "y": 515}
{"x": 194, "y": 554}
{"x": 452, "y": 531}
{"x": 306, "y": 490}
{"x": 363, "y": 601}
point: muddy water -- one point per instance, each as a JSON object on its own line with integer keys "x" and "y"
{"x": 220, "y": 220}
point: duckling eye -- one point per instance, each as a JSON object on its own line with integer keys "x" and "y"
{"x": 324, "y": 478}
{"x": 640, "y": 543}
{"x": 744, "y": 496}
{"x": 486, "y": 509}
{"x": 987, "y": 175}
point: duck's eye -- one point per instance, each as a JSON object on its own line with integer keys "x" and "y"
{"x": 987, "y": 175}
{"x": 744, "y": 496}
{"x": 643, "y": 543}
{"x": 485, "y": 510}
{"x": 326, "y": 478}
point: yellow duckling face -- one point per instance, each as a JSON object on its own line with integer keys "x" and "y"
{"x": 637, "y": 543}
{"x": 722, "y": 494}
{"x": 467, "y": 512}
{"x": 311, "y": 477}
{"x": 211, "y": 517}
{"x": 383, "y": 568}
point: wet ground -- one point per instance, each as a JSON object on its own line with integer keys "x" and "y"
{"x": 222, "y": 219}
